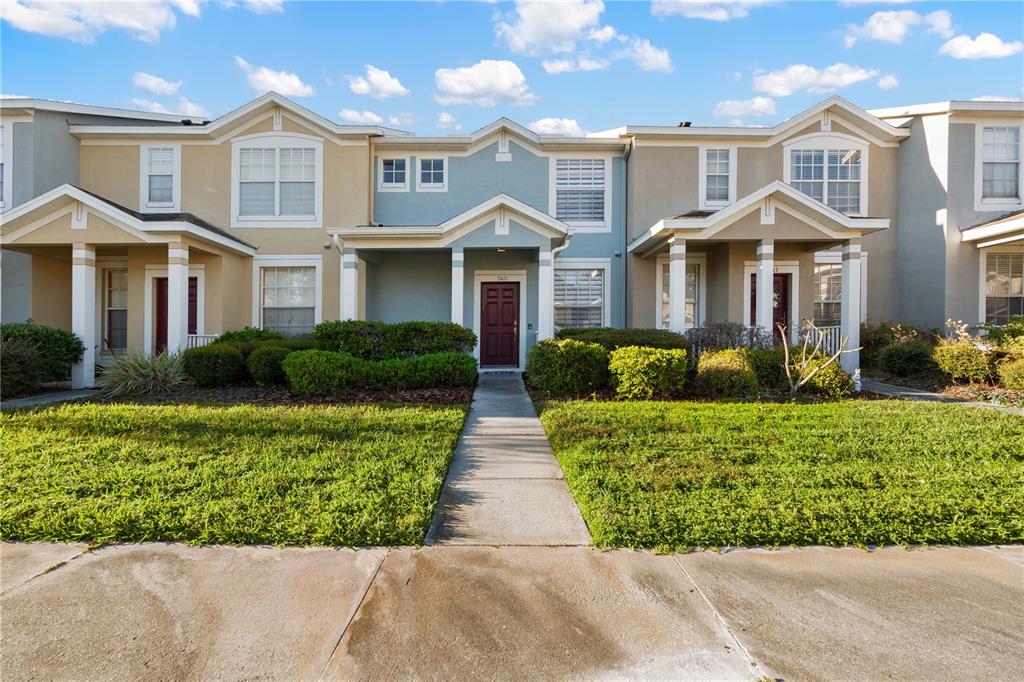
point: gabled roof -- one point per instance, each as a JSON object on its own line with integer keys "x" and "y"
{"x": 502, "y": 125}
{"x": 26, "y": 103}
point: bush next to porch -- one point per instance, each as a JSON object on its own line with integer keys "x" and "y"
{"x": 265, "y": 365}
{"x": 909, "y": 358}
{"x": 643, "y": 373}
{"x": 19, "y": 368}
{"x": 318, "y": 372}
{"x": 726, "y": 374}
{"x": 1011, "y": 375}
{"x": 566, "y": 367}
{"x": 57, "y": 349}
{"x": 962, "y": 360}
{"x": 248, "y": 335}
{"x": 611, "y": 338}
{"x": 384, "y": 341}
{"x": 219, "y": 364}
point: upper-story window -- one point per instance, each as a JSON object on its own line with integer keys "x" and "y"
{"x": 160, "y": 178}
{"x": 276, "y": 181}
{"x": 581, "y": 194}
{"x": 393, "y": 174}
{"x": 717, "y": 176}
{"x": 1000, "y": 172}
{"x": 832, "y": 176}
{"x": 433, "y": 175}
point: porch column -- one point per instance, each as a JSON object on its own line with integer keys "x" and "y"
{"x": 83, "y": 312}
{"x": 849, "y": 312}
{"x": 177, "y": 297}
{"x": 546, "y": 297}
{"x": 458, "y": 282}
{"x": 765, "y": 285}
{"x": 677, "y": 285}
{"x": 349, "y": 285}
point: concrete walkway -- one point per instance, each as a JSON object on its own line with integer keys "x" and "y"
{"x": 907, "y": 393}
{"x": 157, "y": 611}
{"x": 50, "y": 398}
{"x": 505, "y": 486}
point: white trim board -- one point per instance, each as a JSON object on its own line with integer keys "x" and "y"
{"x": 286, "y": 261}
{"x": 154, "y": 270}
{"x": 479, "y": 278}
{"x": 604, "y": 264}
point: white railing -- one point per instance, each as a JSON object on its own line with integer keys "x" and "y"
{"x": 198, "y": 340}
{"x": 830, "y": 338}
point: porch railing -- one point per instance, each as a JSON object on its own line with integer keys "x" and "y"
{"x": 198, "y": 340}
{"x": 830, "y": 338}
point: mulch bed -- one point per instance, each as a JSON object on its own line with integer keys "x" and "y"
{"x": 255, "y": 395}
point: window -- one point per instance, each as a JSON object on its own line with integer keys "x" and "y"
{"x": 579, "y": 298}
{"x": 289, "y": 299}
{"x": 580, "y": 190}
{"x": 277, "y": 182}
{"x": 161, "y": 176}
{"x": 692, "y": 298}
{"x": 828, "y": 280}
{"x": 1004, "y": 286}
{"x": 832, "y": 176}
{"x": 717, "y": 168}
{"x": 115, "y": 302}
{"x": 432, "y": 175}
{"x": 1000, "y": 171}
{"x": 393, "y": 175}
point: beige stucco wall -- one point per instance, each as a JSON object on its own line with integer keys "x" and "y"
{"x": 51, "y": 289}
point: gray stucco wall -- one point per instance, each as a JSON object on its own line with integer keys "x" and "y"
{"x": 409, "y": 286}
{"x": 54, "y": 151}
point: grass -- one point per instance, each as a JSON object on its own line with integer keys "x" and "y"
{"x": 674, "y": 476}
{"x": 285, "y": 475}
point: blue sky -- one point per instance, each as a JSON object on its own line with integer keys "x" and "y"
{"x": 442, "y": 67}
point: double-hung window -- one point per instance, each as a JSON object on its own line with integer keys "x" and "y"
{"x": 159, "y": 178}
{"x": 717, "y": 177}
{"x": 580, "y": 191}
{"x": 828, "y": 294}
{"x": 832, "y": 176}
{"x": 278, "y": 181}
{"x": 115, "y": 305}
{"x": 289, "y": 299}
{"x": 692, "y": 295}
{"x": 1000, "y": 172}
{"x": 579, "y": 297}
{"x": 1004, "y": 286}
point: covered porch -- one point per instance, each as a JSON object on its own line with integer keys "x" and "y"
{"x": 1000, "y": 252}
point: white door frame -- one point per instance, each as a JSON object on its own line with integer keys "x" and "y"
{"x": 784, "y": 267}
{"x": 160, "y": 270}
{"x": 479, "y": 278}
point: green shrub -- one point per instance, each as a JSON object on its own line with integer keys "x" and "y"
{"x": 384, "y": 341}
{"x": 1012, "y": 331}
{"x": 832, "y": 381}
{"x": 566, "y": 367}
{"x": 218, "y": 364}
{"x": 769, "y": 366}
{"x": 875, "y": 338}
{"x": 728, "y": 335}
{"x": 248, "y": 335}
{"x": 19, "y": 367}
{"x": 644, "y": 373}
{"x": 320, "y": 372}
{"x": 726, "y": 374}
{"x": 611, "y": 339}
{"x": 906, "y": 358}
{"x": 961, "y": 361}
{"x": 317, "y": 372}
{"x": 247, "y": 347}
{"x": 137, "y": 373}
{"x": 264, "y": 364}
{"x": 57, "y": 349}
{"x": 1011, "y": 375}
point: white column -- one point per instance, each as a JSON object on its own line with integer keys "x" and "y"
{"x": 545, "y": 296}
{"x": 349, "y": 285}
{"x": 765, "y": 285}
{"x": 177, "y": 297}
{"x": 83, "y": 312}
{"x": 850, "y": 306}
{"x": 677, "y": 285}
{"x": 458, "y": 283}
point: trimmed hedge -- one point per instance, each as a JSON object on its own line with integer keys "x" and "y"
{"x": 218, "y": 364}
{"x": 962, "y": 361}
{"x": 566, "y": 367}
{"x": 384, "y": 341}
{"x": 319, "y": 372}
{"x": 610, "y": 338}
{"x": 19, "y": 368}
{"x": 645, "y": 373}
{"x": 248, "y": 335}
{"x": 770, "y": 367}
{"x": 726, "y": 374}
{"x": 57, "y": 349}
{"x": 907, "y": 358}
{"x": 264, "y": 364}
{"x": 1011, "y": 375}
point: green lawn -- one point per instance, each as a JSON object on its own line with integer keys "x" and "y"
{"x": 285, "y": 475}
{"x": 678, "y": 475}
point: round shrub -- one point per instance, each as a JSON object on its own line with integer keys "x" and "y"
{"x": 140, "y": 374}
{"x": 218, "y": 364}
{"x": 644, "y": 373}
{"x": 566, "y": 367}
{"x": 726, "y": 374}
{"x": 611, "y": 338}
{"x": 264, "y": 364}
{"x": 770, "y": 367}
{"x": 57, "y": 349}
{"x": 1011, "y": 375}
{"x": 831, "y": 381}
{"x": 961, "y": 361}
{"x": 906, "y": 358}
{"x": 19, "y": 368}
{"x": 248, "y": 335}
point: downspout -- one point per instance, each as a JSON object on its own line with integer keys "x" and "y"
{"x": 626, "y": 288}
{"x": 370, "y": 181}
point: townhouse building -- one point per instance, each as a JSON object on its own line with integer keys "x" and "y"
{"x": 163, "y": 233}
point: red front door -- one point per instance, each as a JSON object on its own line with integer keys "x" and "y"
{"x": 161, "y": 310}
{"x": 499, "y": 324}
{"x": 780, "y": 307}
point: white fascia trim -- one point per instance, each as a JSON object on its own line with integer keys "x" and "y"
{"x": 73, "y": 108}
{"x": 982, "y": 205}
{"x": 604, "y": 264}
{"x": 7, "y": 200}
{"x": 579, "y": 226}
{"x": 432, "y": 187}
{"x": 702, "y": 176}
{"x": 394, "y": 186}
{"x": 278, "y": 140}
{"x": 286, "y": 261}
{"x": 825, "y": 142}
{"x": 994, "y": 229}
{"x": 145, "y": 206}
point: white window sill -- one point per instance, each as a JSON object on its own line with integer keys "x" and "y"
{"x": 393, "y": 188}
{"x": 715, "y": 204}
{"x": 432, "y": 188}
{"x": 276, "y": 221}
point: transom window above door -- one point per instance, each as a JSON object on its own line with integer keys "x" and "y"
{"x": 277, "y": 181}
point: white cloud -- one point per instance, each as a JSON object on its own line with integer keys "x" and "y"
{"x": 360, "y": 117}
{"x": 735, "y": 108}
{"x": 264, "y": 6}
{"x": 82, "y": 21}
{"x": 185, "y": 107}
{"x": 154, "y": 84}
{"x": 722, "y": 10}
{"x": 190, "y": 108}
{"x": 893, "y": 26}
{"x": 888, "y": 82}
{"x": 485, "y": 84}
{"x": 646, "y": 56}
{"x": 603, "y": 35}
{"x": 446, "y": 121}
{"x": 804, "y": 78}
{"x": 985, "y": 46}
{"x": 261, "y": 79}
{"x": 567, "y": 127}
{"x": 551, "y": 27}
{"x": 378, "y": 84}
{"x": 993, "y": 98}
{"x": 556, "y": 66}
{"x": 150, "y": 105}
{"x": 405, "y": 118}
{"x": 940, "y": 22}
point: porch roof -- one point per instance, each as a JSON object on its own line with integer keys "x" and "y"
{"x": 1005, "y": 229}
{"x": 702, "y": 225}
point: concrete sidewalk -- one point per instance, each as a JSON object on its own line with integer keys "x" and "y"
{"x": 158, "y": 611}
{"x": 907, "y": 393}
{"x": 505, "y": 486}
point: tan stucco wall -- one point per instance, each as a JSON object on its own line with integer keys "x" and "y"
{"x": 111, "y": 171}
{"x": 51, "y": 290}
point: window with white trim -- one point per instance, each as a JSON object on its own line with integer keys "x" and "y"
{"x": 115, "y": 309}
{"x": 716, "y": 187}
{"x": 288, "y": 299}
{"x": 393, "y": 173}
{"x": 828, "y": 294}
{"x": 160, "y": 176}
{"x": 579, "y": 297}
{"x": 1000, "y": 172}
{"x": 432, "y": 173}
{"x": 832, "y": 176}
{"x": 580, "y": 190}
{"x": 278, "y": 182}
{"x": 1004, "y": 286}
{"x": 692, "y": 295}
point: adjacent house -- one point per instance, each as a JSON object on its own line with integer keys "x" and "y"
{"x": 162, "y": 233}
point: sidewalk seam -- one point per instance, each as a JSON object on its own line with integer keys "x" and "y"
{"x": 50, "y": 569}
{"x": 355, "y": 611}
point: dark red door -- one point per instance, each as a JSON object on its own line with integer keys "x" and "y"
{"x": 499, "y": 324}
{"x": 780, "y": 307}
{"x": 161, "y": 310}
